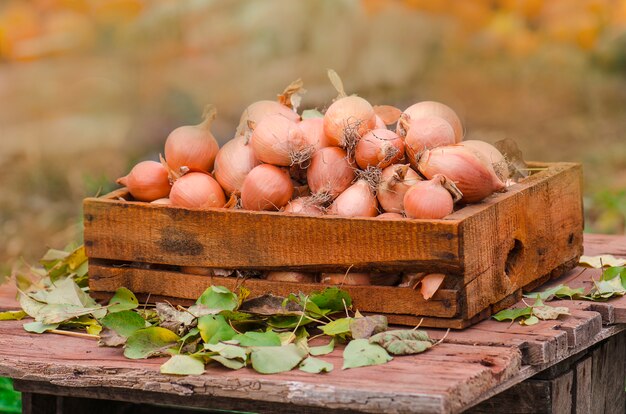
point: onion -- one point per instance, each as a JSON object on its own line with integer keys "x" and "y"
{"x": 428, "y": 108}
{"x": 425, "y": 133}
{"x": 233, "y": 162}
{"x": 192, "y": 147}
{"x": 313, "y": 130}
{"x": 428, "y": 199}
{"x": 197, "y": 190}
{"x": 162, "y": 201}
{"x": 389, "y": 216}
{"x": 286, "y": 106}
{"x": 330, "y": 172}
{"x": 266, "y": 187}
{"x": 464, "y": 168}
{"x": 379, "y": 124}
{"x": 358, "y": 200}
{"x": 294, "y": 277}
{"x": 277, "y": 140}
{"x": 379, "y": 148}
{"x": 354, "y": 279}
{"x": 306, "y": 206}
{"x": 386, "y": 114}
{"x": 147, "y": 181}
{"x": 396, "y": 180}
{"x": 490, "y": 155}
{"x": 348, "y": 118}
{"x": 430, "y": 284}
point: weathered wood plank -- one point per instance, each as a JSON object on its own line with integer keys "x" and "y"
{"x": 532, "y": 397}
{"x": 444, "y": 379}
{"x": 583, "y": 386}
{"x": 223, "y": 238}
{"x": 607, "y": 377}
{"x": 381, "y": 299}
{"x": 522, "y": 236}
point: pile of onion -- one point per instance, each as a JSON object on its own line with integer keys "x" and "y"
{"x": 355, "y": 160}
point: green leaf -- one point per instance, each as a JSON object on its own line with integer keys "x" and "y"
{"x": 322, "y": 349}
{"x": 58, "y": 313}
{"x": 12, "y": 315}
{"x": 332, "y": 299}
{"x": 512, "y": 314}
{"x": 229, "y": 363}
{"x": 148, "y": 342}
{"x": 615, "y": 272}
{"x": 274, "y": 359}
{"x": 52, "y": 257}
{"x": 218, "y": 297}
{"x": 231, "y": 356}
{"x": 124, "y": 322}
{"x": 215, "y": 328}
{"x": 361, "y": 353}
{"x": 123, "y": 300}
{"x": 29, "y": 305}
{"x": 66, "y": 292}
{"x": 287, "y": 322}
{"x": 38, "y": 327}
{"x": 252, "y": 338}
{"x": 315, "y": 366}
{"x": 367, "y": 326}
{"x": 403, "y": 341}
{"x": 531, "y": 320}
{"x": 183, "y": 365}
{"x": 337, "y": 327}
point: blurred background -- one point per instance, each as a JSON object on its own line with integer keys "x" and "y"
{"x": 88, "y": 87}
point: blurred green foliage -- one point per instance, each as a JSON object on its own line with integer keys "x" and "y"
{"x": 10, "y": 400}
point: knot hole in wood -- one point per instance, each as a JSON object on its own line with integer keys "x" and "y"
{"x": 513, "y": 264}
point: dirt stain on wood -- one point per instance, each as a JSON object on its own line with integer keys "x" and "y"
{"x": 174, "y": 240}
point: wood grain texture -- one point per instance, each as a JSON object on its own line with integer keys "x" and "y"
{"x": 490, "y": 251}
{"x": 510, "y": 241}
{"x": 582, "y": 371}
{"x": 238, "y": 239}
{"x": 444, "y": 379}
{"x": 607, "y": 377}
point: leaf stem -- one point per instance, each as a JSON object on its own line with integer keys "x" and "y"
{"x": 74, "y": 334}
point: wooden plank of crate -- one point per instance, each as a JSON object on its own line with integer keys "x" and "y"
{"x": 513, "y": 239}
{"x": 224, "y": 238}
{"x": 443, "y": 379}
{"x": 532, "y": 397}
{"x": 381, "y": 299}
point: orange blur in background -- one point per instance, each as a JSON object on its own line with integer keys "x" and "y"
{"x": 89, "y": 87}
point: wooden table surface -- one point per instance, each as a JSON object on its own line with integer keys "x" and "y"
{"x": 470, "y": 366}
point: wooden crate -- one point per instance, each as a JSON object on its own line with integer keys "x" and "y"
{"x": 489, "y": 251}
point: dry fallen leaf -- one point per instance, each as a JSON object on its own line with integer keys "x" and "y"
{"x": 604, "y": 260}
